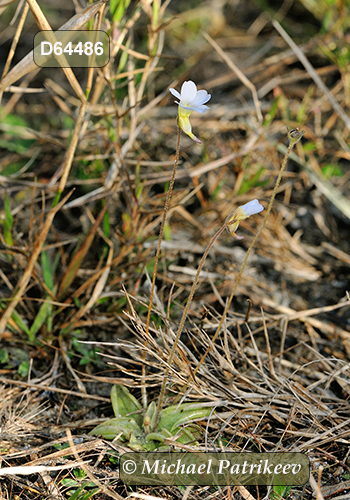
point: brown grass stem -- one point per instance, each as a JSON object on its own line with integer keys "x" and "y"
{"x": 294, "y": 136}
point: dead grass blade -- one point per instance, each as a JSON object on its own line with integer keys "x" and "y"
{"x": 124, "y": 251}
{"x": 25, "y": 470}
{"x": 15, "y": 41}
{"x": 68, "y": 363}
{"x": 305, "y": 316}
{"x": 239, "y": 74}
{"x": 50, "y": 388}
{"x": 336, "y": 252}
{"x": 317, "y": 487}
{"x": 98, "y": 287}
{"x": 65, "y": 168}
{"x": 44, "y": 25}
{"x": 245, "y": 493}
{"x": 313, "y": 74}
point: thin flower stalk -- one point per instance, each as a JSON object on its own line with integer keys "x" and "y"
{"x": 294, "y": 136}
{"x": 182, "y": 322}
{"x": 160, "y": 239}
{"x": 231, "y": 224}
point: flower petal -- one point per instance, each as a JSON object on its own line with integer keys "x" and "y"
{"x": 188, "y": 92}
{"x": 252, "y": 207}
{"x": 201, "y": 98}
{"x": 202, "y": 108}
{"x": 175, "y": 93}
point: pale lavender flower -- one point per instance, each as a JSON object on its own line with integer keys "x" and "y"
{"x": 190, "y": 99}
{"x": 243, "y": 212}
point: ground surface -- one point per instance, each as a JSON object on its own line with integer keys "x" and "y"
{"x": 74, "y": 288}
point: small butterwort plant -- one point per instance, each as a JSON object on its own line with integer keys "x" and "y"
{"x": 146, "y": 430}
{"x": 138, "y": 429}
{"x": 190, "y": 99}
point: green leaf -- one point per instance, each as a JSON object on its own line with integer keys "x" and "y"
{"x": 89, "y": 494}
{"x": 150, "y": 417}
{"x": 137, "y": 431}
{"x": 106, "y": 225}
{"x": 78, "y": 258}
{"x": 15, "y": 126}
{"x": 271, "y": 115}
{"x": 123, "y": 402}
{"x": 252, "y": 181}
{"x": 115, "y": 426}
{"x": 332, "y": 171}
{"x": 124, "y": 56}
{"x": 39, "y": 319}
{"x": 159, "y": 436}
{"x": 4, "y": 356}
{"x": 155, "y": 13}
{"x": 117, "y": 8}
{"x": 167, "y": 232}
{"x": 280, "y": 491}
{"x": 80, "y": 494}
{"x": 23, "y": 369}
{"x": 174, "y": 416}
{"x": 76, "y": 494}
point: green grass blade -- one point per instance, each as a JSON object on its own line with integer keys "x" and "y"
{"x": 20, "y": 323}
{"x": 47, "y": 270}
{"x": 39, "y": 319}
{"x": 8, "y": 222}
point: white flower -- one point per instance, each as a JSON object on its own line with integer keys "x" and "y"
{"x": 243, "y": 212}
{"x": 190, "y": 100}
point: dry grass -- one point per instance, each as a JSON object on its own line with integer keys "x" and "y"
{"x": 85, "y": 161}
